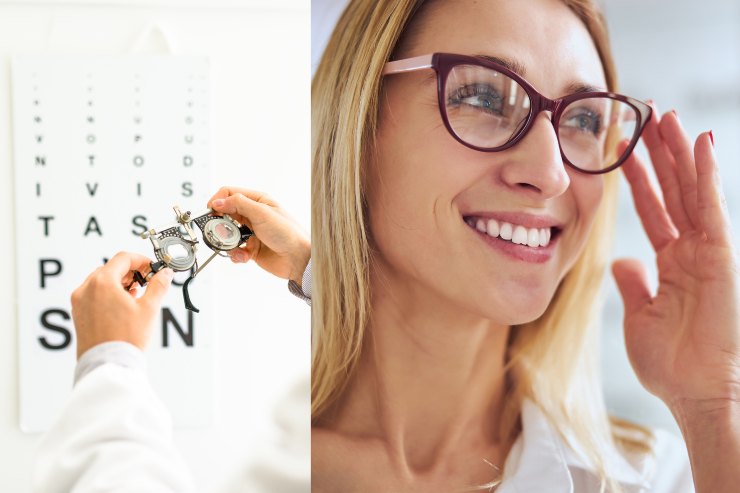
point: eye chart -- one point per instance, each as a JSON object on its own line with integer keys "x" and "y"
{"x": 104, "y": 148}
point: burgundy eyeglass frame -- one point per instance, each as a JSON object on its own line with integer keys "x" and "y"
{"x": 443, "y": 63}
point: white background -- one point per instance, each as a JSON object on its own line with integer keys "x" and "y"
{"x": 684, "y": 54}
{"x": 259, "y": 139}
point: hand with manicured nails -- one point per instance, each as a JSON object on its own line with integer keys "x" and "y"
{"x": 278, "y": 245}
{"x": 684, "y": 341}
{"x": 103, "y": 310}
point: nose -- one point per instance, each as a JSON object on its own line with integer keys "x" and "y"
{"x": 535, "y": 166}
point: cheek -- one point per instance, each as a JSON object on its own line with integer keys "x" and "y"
{"x": 587, "y": 193}
{"x": 412, "y": 176}
{"x": 413, "y": 181}
{"x": 401, "y": 194}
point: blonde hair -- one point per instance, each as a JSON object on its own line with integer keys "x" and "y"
{"x": 552, "y": 360}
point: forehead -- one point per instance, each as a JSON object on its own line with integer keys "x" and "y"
{"x": 544, "y": 37}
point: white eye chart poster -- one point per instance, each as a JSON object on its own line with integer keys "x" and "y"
{"x": 104, "y": 147}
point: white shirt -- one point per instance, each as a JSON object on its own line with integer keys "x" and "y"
{"x": 541, "y": 461}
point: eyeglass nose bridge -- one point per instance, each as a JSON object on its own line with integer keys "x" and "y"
{"x": 541, "y": 103}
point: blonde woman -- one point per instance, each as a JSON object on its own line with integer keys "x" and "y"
{"x": 465, "y": 164}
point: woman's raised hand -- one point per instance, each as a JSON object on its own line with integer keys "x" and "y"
{"x": 684, "y": 341}
{"x": 279, "y": 245}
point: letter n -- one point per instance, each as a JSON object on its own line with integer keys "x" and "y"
{"x": 167, "y": 319}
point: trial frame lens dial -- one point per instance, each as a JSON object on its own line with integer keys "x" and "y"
{"x": 221, "y": 234}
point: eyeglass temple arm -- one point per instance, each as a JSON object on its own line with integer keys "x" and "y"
{"x": 408, "y": 64}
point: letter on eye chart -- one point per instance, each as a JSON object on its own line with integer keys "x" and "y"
{"x": 169, "y": 319}
{"x": 65, "y": 333}
{"x": 46, "y": 219}
{"x": 93, "y": 226}
{"x": 49, "y": 273}
{"x": 139, "y": 221}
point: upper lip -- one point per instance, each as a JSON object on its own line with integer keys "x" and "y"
{"x": 520, "y": 218}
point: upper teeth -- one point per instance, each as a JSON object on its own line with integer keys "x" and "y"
{"x": 533, "y": 237}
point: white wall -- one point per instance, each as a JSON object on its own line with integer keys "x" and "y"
{"x": 259, "y": 139}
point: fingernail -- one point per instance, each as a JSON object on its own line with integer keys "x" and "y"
{"x": 218, "y": 203}
{"x": 711, "y": 137}
{"x": 168, "y": 274}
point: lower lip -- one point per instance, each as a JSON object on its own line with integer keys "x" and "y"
{"x": 535, "y": 255}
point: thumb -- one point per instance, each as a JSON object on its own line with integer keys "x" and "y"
{"x": 158, "y": 286}
{"x": 631, "y": 279}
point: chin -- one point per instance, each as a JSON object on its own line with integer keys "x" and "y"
{"x": 519, "y": 318}
{"x": 509, "y": 310}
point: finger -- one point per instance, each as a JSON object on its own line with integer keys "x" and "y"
{"x": 664, "y": 165}
{"x": 714, "y": 218}
{"x": 255, "y": 195}
{"x": 255, "y": 212}
{"x": 158, "y": 286}
{"x": 633, "y": 286}
{"x": 222, "y": 193}
{"x": 650, "y": 209}
{"x": 239, "y": 255}
{"x": 124, "y": 262}
{"x": 683, "y": 154}
{"x": 253, "y": 246}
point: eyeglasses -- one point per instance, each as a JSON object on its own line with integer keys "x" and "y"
{"x": 488, "y": 107}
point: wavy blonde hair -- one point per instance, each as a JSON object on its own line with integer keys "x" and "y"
{"x": 552, "y": 360}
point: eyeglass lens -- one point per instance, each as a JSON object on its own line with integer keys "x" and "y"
{"x": 486, "y": 109}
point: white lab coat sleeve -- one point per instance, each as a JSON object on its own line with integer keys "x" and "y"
{"x": 113, "y": 435}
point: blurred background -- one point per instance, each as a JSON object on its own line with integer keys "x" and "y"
{"x": 258, "y": 119}
{"x": 685, "y": 55}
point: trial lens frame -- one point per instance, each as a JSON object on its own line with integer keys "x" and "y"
{"x": 220, "y": 233}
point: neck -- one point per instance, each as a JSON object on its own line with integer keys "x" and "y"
{"x": 430, "y": 381}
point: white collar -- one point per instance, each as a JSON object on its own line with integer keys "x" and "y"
{"x": 541, "y": 460}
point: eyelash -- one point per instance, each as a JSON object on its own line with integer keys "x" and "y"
{"x": 590, "y": 114}
{"x": 471, "y": 90}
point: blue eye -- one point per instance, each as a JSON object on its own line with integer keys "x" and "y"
{"x": 480, "y": 96}
{"x": 584, "y": 121}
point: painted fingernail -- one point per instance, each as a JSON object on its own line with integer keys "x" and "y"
{"x": 218, "y": 203}
{"x": 711, "y": 137}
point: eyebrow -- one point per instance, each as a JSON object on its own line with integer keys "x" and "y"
{"x": 519, "y": 69}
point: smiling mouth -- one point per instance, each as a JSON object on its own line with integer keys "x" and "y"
{"x": 535, "y": 238}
